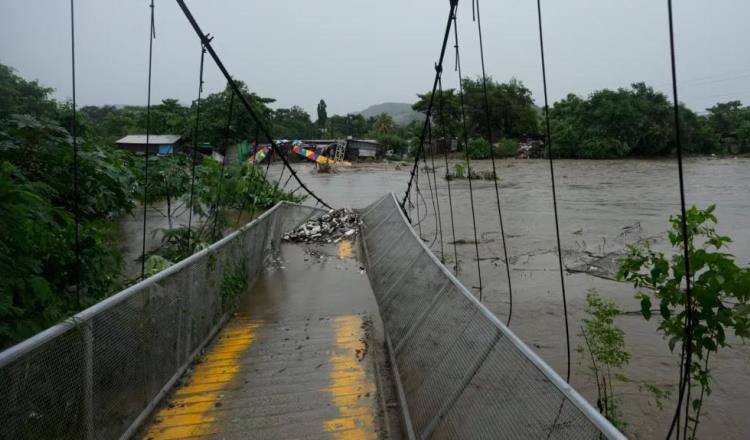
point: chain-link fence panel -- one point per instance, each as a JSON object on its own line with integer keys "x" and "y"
{"x": 99, "y": 374}
{"x": 461, "y": 373}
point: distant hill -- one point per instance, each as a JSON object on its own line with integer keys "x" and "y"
{"x": 401, "y": 112}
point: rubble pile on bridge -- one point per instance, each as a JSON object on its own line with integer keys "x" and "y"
{"x": 332, "y": 227}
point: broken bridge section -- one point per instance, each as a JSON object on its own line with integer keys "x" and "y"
{"x": 292, "y": 362}
{"x": 459, "y": 371}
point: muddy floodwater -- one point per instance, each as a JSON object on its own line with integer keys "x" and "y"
{"x": 603, "y": 206}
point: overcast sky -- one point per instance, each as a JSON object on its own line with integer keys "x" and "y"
{"x": 354, "y": 53}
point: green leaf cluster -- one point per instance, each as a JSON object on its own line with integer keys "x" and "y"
{"x": 605, "y": 344}
{"x": 720, "y": 293}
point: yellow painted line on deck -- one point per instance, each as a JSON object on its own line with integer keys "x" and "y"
{"x": 206, "y": 383}
{"x": 345, "y": 249}
{"x": 357, "y": 419}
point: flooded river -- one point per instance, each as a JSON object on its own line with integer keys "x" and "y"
{"x": 603, "y": 206}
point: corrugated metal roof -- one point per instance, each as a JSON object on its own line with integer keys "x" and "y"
{"x": 154, "y": 139}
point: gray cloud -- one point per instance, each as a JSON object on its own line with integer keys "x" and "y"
{"x": 354, "y": 53}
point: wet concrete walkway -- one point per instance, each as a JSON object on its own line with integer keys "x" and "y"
{"x": 295, "y": 362}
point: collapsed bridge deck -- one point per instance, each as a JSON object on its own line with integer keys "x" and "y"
{"x": 298, "y": 357}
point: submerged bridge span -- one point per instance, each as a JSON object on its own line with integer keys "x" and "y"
{"x": 252, "y": 338}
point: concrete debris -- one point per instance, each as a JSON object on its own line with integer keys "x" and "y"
{"x": 328, "y": 228}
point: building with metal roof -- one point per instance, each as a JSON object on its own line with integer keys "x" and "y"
{"x": 158, "y": 144}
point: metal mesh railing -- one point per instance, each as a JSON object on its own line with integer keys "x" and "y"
{"x": 100, "y": 373}
{"x": 461, "y": 373}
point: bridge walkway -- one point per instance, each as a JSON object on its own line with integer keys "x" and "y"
{"x": 294, "y": 362}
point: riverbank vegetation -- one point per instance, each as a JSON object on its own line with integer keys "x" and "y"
{"x": 717, "y": 311}
{"x": 637, "y": 121}
{"x": 40, "y": 268}
{"x": 719, "y": 304}
{"x": 50, "y": 194}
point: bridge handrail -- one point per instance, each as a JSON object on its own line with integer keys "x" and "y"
{"x": 158, "y": 326}
{"x": 410, "y": 297}
{"x": 12, "y": 353}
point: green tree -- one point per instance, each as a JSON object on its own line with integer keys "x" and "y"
{"x": 292, "y": 123}
{"x": 731, "y": 123}
{"x": 720, "y": 296}
{"x": 349, "y": 125}
{"x": 613, "y": 123}
{"x": 446, "y": 112}
{"x": 19, "y": 96}
{"x": 322, "y": 115}
{"x": 38, "y": 262}
{"x": 169, "y": 178}
{"x": 383, "y": 125}
{"x": 215, "y": 115}
{"x": 512, "y": 109}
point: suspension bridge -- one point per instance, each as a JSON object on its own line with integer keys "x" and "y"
{"x": 406, "y": 351}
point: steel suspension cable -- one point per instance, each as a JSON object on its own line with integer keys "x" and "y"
{"x": 429, "y": 182}
{"x": 428, "y": 113}
{"x": 411, "y": 207}
{"x": 206, "y": 40}
{"x": 196, "y": 131}
{"x": 74, "y": 134}
{"x": 223, "y": 163}
{"x": 478, "y": 16}
{"x": 686, "y": 362}
{"x": 281, "y": 175}
{"x": 554, "y": 192}
{"x": 151, "y": 36}
{"x": 447, "y": 176}
{"x": 416, "y": 197}
{"x": 466, "y": 152}
{"x": 437, "y": 197}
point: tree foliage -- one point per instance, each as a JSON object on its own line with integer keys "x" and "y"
{"x": 605, "y": 344}
{"x": 512, "y": 110}
{"x": 618, "y": 123}
{"x": 38, "y": 262}
{"x": 720, "y": 292}
{"x": 322, "y": 115}
{"x": 729, "y": 123}
{"x": 639, "y": 121}
{"x": 42, "y": 276}
{"x": 292, "y": 123}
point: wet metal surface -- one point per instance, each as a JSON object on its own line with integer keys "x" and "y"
{"x": 295, "y": 362}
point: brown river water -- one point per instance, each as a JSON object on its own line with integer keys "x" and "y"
{"x": 603, "y": 205}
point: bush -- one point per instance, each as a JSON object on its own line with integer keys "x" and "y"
{"x": 478, "y": 148}
{"x": 602, "y": 149}
{"x": 506, "y": 148}
{"x": 394, "y": 142}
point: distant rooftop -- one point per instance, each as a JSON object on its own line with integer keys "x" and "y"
{"x": 154, "y": 139}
